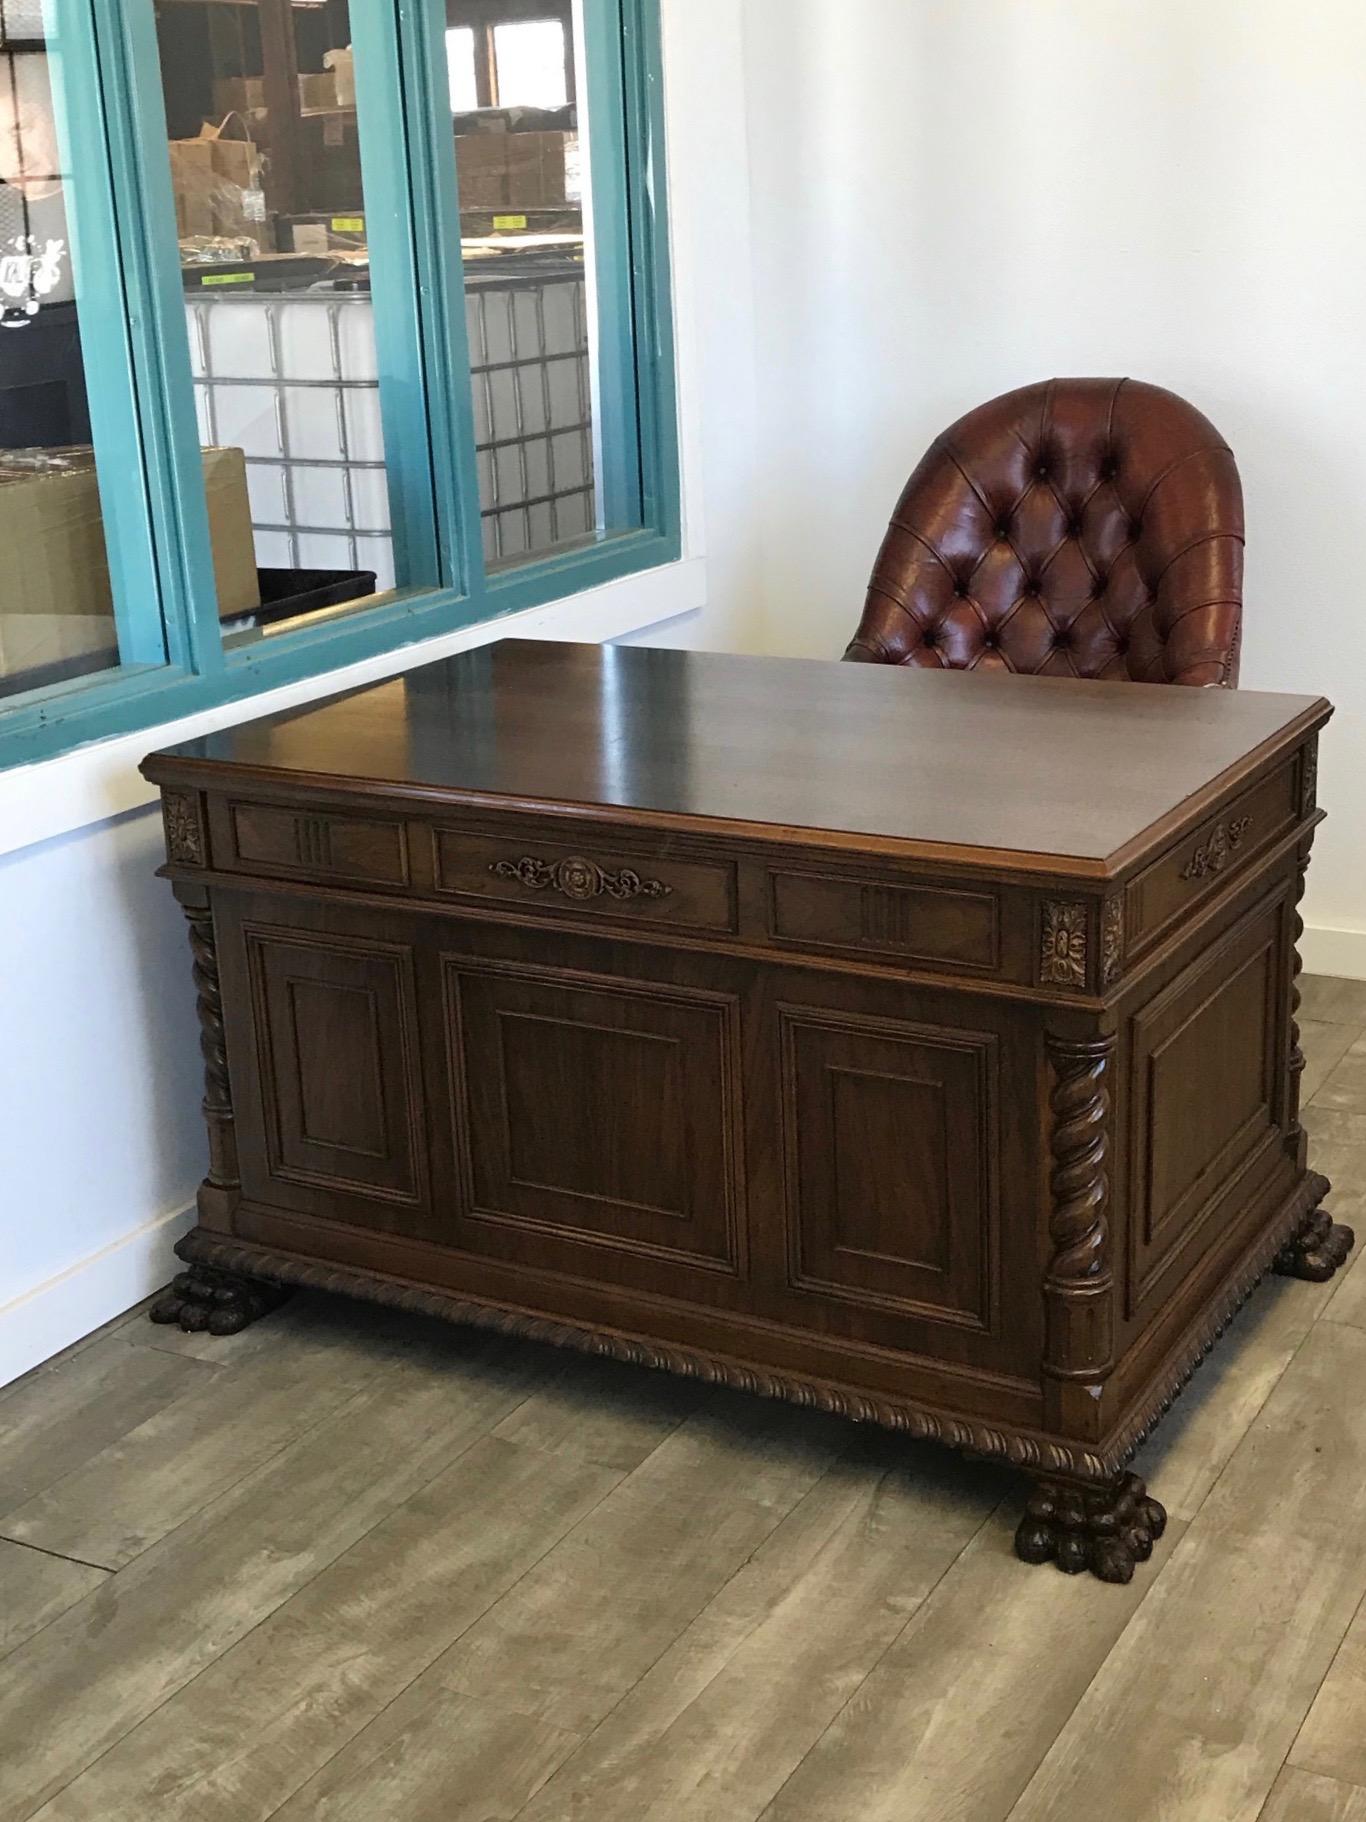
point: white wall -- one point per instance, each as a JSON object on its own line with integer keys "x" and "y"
{"x": 954, "y": 197}
{"x": 101, "y": 1142}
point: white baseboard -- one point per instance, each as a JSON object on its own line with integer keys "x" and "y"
{"x": 88, "y": 1294}
{"x": 1337, "y": 952}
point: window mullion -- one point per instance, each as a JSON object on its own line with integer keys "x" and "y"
{"x": 611, "y": 303}
{"x": 144, "y": 221}
{"x": 441, "y": 287}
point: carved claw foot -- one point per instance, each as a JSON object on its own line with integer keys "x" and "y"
{"x": 1106, "y": 1529}
{"x": 1319, "y": 1251}
{"x": 206, "y": 1299}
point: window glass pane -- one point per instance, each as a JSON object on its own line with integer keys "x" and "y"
{"x": 271, "y": 212}
{"x": 460, "y": 63}
{"x": 530, "y": 64}
{"x": 57, "y": 618}
{"x": 528, "y": 242}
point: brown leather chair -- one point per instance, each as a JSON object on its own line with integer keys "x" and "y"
{"x": 1076, "y": 528}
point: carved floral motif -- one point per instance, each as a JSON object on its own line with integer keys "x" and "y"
{"x": 1063, "y": 958}
{"x": 579, "y": 879}
{"x": 1219, "y": 850}
{"x": 184, "y": 831}
{"x": 1112, "y": 941}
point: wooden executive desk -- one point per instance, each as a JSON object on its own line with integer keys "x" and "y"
{"x": 916, "y": 1045}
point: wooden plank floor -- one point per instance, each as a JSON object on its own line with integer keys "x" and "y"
{"x": 352, "y": 1566}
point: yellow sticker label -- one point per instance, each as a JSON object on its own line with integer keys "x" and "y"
{"x": 502, "y": 223}
{"x": 229, "y": 278}
{"x": 348, "y": 224}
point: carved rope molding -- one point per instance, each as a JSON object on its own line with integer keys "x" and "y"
{"x": 1062, "y": 958}
{"x": 1112, "y": 940}
{"x": 1219, "y": 850}
{"x": 1021, "y": 1448}
{"x": 1077, "y": 1285}
{"x": 1080, "y": 1106}
{"x": 218, "y": 1115}
{"x": 184, "y": 829}
{"x": 579, "y": 879}
{"x": 1296, "y": 1000}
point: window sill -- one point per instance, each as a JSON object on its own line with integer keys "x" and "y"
{"x": 55, "y": 797}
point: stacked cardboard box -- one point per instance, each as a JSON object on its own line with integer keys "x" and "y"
{"x": 216, "y": 179}
{"x": 52, "y": 533}
{"x": 501, "y": 170}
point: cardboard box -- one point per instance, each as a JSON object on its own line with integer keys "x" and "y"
{"x": 217, "y": 183}
{"x": 52, "y": 533}
{"x": 317, "y": 93}
{"x": 511, "y": 170}
{"x": 192, "y": 181}
{"x": 238, "y": 94}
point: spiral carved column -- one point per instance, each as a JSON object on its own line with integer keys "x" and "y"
{"x": 213, "y": 1044}
{"x": 1079, "y": 1342}
{"x": 1296, "y": 1136}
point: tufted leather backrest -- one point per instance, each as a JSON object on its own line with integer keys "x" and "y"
{"x": 1080, "y": 528}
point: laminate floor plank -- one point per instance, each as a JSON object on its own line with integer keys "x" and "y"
{"x": 1345, "y": 1084}
{"x": 1345, "y": 1165}
{"x": 1299, "y": 1796}
{"x": 1332, "y": 1740}
{"x": 1333, "y": 1000}
{"x": 956, "y": 1718}
{"x": 120, "y": 1501}
{"x": 1333, "y": 1125}
{"x": 1192, "y": 1445}
{"x": 1324, "y": 1047}
{"x": 277, "y": 1706}
{"x": 716, "y": 1725}
{"x": 601, "y": 1410}
{"x": 573, "y": 1636}
{"x": 58, "y": 1417}
{"x": 1196, "y": 1708}
{"x": 35, "y": 1588}
{"x": 435, "y": 1757}
{"x": 93, "y": 1674}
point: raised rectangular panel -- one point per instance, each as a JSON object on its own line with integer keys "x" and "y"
{"x": 923, "y": 923}
{"x": 891, "y": 1148}
{"x": 370, "y": 499}
{"x": 336, "y": 1058}
{"x": 266, "y": 491}
{"x": 313, "y": 423}
{"x": 356, "y": 342}
{"x": 319, "y": 496}
{"x": 239, "y": 341}
{"x": 305, "y": 344}
{"x": 602, "y": 1115}
{"x": 364, "y": 429}
{"x": 247, "y": 420}
{"x": 1206, "y": 1105}
{"x": 359, "y": 850}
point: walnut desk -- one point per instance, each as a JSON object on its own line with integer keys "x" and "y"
{"x": 917, "y": 1045}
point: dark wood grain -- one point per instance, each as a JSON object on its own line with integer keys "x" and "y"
{"x": 535, "y": 995}
{"x": 903, "y": 756}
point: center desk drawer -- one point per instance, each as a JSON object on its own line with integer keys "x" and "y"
{"x": 914, "y": 921}
{"x": 547, "y": 875}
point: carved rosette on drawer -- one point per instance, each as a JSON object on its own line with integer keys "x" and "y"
{"x": 580, "y": 879}
{"x": 1214, "y": 855}
{"x": 1079, "y": 1283}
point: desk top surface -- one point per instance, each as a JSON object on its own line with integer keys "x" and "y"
{"x": 1021, "y": 766}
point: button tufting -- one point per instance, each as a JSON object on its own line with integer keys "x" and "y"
{"x": 1037, "y": 512}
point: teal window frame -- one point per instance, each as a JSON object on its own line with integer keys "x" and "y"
{"x": 174, "y": 661}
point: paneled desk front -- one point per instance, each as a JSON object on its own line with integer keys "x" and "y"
{"x": 916, "y": 1045}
